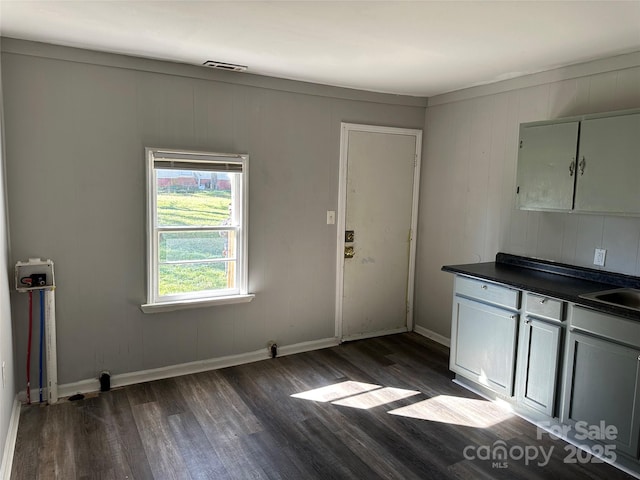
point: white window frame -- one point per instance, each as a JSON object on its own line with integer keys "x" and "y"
{"x": 193, "y": 159}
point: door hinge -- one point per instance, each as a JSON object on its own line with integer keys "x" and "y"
{"x": 521, "y": 142}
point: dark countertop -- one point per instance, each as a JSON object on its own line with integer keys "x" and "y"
{"x": 561, "y": 281}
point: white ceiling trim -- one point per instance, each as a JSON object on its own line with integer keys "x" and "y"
{"x": 618, "y": 62}
{"x": 79, "y": 55}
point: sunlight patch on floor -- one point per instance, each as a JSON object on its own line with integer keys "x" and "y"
{"x": 356, "y": 394}
{"x": 376, "y": 398}
{"x": 336, "y": 391}
{"x": 462, "y": 411}
{"x": 467, "y": 412}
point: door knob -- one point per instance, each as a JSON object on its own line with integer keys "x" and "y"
{"x": 349, "y": 252}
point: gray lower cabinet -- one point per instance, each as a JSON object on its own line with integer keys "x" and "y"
{"x": 538, "y": 364}
{"x": 586, "y": 373}
{"x": 602, "y": 378}
{"x": 483, "y": 336}
{"x": 539, "y": 348}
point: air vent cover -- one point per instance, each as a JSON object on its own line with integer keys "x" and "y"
{"x": 225, "y": 66}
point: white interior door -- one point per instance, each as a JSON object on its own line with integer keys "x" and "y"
{"x": 379, "y": 172}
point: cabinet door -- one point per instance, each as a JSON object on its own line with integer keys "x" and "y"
{"x": 483, "y": 344}
{"x": 546, "y": 166}
{"x": 609, "y": 165}
{"x": 538, "y": 364}
{"x": 602, "y": 385}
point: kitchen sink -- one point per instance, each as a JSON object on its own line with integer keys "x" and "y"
{"x": 620, "y": 297}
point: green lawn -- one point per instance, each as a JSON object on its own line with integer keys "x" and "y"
{"x": 193, "y": 208}
{"x": 202, "y": 207}
{"x": 175, "y": 279}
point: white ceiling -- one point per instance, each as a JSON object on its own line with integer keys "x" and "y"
{"x": 420, "y": 48}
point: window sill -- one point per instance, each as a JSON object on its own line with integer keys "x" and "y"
{"x": 198, "y": 303}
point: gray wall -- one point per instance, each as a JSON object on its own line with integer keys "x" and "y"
{"x": 467, "y": 207}
{"x": 7, "y": 388}
{"x": 77, "y": 123}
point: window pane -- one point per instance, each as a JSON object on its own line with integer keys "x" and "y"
{"x": 185, "y": 246}
{"x": 197, "y": 229}
{"x": 195, "y": 277}
{"x": 191, "y": 197}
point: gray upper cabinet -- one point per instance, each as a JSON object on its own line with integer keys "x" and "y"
{"x": 588, "y": 164}
{"x": 546, "y": 166}
{"x": 609, "y": 165}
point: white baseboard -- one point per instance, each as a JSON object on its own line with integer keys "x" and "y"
{"x": 10, "y": 442}
{"x": 307, "y": 346}
{"x": 123, "y": 379}
{"x": 436, "y": 337}
{"x": 381, "y": 333}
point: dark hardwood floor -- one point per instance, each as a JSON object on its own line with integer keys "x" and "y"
{"x": 383, "y": 408}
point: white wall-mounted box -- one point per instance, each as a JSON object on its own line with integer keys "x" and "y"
{"x": 35, "y": 266}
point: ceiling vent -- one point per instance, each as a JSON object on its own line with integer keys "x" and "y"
{"x": 224, "y": 66}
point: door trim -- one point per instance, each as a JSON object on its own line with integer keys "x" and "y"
{"x": 345, "y": 129}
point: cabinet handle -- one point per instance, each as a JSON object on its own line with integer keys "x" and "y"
{"x": 543, "y": 300}
{"x": 639, "y": 358}
{"x": 484, "y": 287}
{"x": 582, "y": 164}
{"x": 572, "y": 168}
{"x": 512, "y": 317}
{"x": 527, "y": 321}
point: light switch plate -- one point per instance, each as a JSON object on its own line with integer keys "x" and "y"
{"x": 598, "y": 258}
{"x": 331, "y": 217}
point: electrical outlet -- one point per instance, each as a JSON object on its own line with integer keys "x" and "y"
{"x": 598, "y": 258}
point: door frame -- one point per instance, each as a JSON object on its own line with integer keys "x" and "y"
{"x": 345, "y": 129}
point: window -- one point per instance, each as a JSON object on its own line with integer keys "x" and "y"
{"x": 197, "y": 228}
